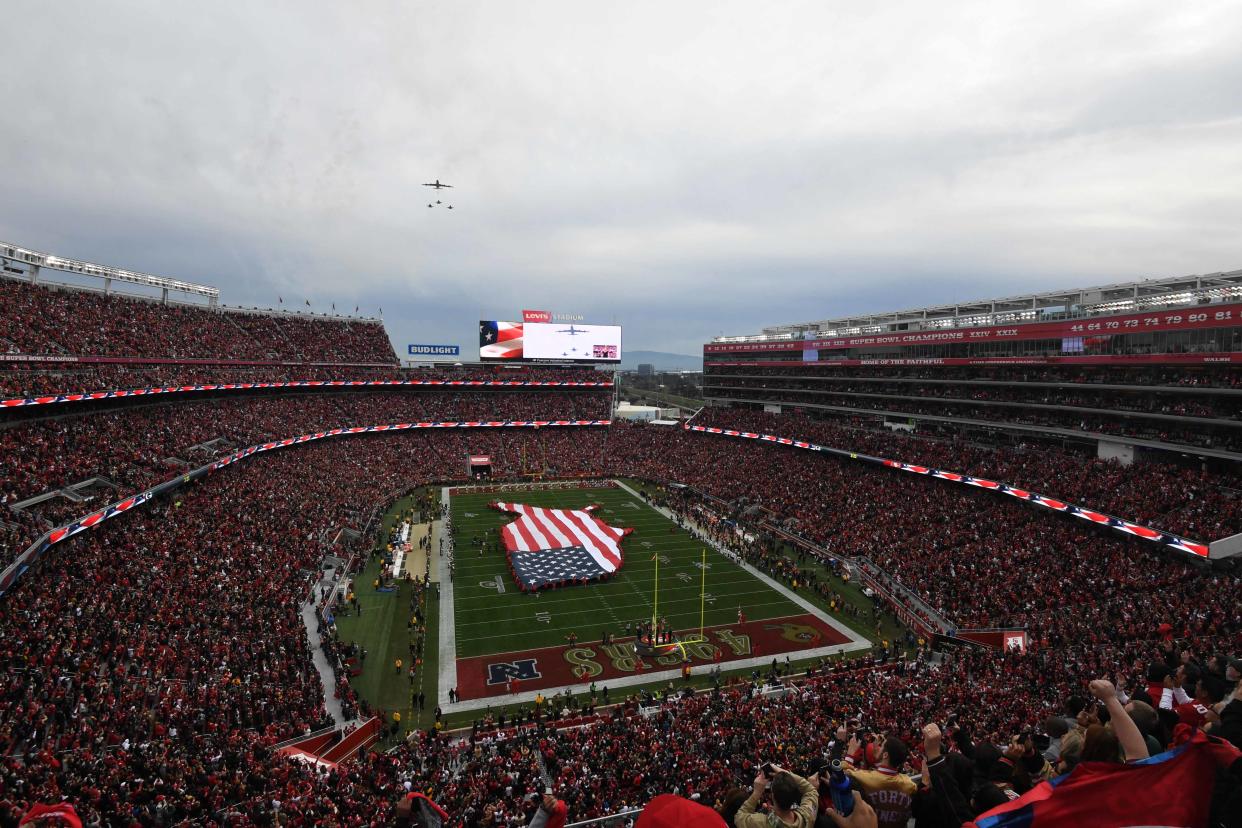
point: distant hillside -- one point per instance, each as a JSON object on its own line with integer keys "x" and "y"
{"x": 661, "y": 360}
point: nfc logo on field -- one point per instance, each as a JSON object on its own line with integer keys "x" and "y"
{"x": 520, "y": 670}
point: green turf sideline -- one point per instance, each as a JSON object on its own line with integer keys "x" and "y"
{"x": 382, "y": 630}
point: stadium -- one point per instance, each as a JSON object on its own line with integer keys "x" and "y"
{"x": 880, "y": 557}
{"x": 857, "y": 507}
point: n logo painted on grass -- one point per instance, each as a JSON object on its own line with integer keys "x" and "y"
{"x": 521, "y": 670}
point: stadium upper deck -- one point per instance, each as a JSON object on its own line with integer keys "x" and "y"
{"x": 1158, "y": 320}
{"x": 1151, "y": 364}
{"x": 50, "y": 322}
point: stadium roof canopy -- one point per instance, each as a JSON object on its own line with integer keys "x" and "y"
{"x": 1122, "y": 297}
{"x": 35, "y": 261}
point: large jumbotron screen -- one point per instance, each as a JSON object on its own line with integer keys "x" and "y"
{"x": 562, "y": 342}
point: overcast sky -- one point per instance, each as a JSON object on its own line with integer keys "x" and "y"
{"x": 687, "y": 169}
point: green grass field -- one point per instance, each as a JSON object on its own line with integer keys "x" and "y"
{"x": 487, "y": 622}
{"x": 490, "y": 623}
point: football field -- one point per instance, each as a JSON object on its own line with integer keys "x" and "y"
{"x": 495, "y": 639}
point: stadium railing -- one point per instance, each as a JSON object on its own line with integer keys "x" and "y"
{"x": 331, "y": 385}
{"x": 619, "y": 818}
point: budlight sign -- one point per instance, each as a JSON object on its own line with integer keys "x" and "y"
{"x": 433, "y": 350}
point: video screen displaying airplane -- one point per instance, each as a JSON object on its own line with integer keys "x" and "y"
{"x": 549, "y": 341}
{"x": 558, "y": 340}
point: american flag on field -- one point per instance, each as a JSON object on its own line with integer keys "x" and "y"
{"x": 559, "y": 546}
{"x": 500, "y": 340}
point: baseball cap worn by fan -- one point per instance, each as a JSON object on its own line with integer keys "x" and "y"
{"x": 670, "y": 811}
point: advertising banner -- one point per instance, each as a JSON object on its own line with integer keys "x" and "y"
{"x": 433, "y": 350}
{"x": 1209, "y": 316}
{"x": 1212, "y": 358}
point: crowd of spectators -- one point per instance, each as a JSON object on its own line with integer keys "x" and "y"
{"x": 1120, "y": 401}
{"x": 39, "y": 319}
{"x": 978, "y": 559}
{"x": 167, "y": 646}
{"x": 20, "y": 380}
{"x": 147, "y": 666}
{"x": 1200, "y": 504}
{"x": 134, "y": 447}
{"x": 1147, "y": 400}
{"x": 1215, "y": 433}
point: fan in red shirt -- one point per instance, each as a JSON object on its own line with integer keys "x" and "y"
{"x": 552, "y": 812}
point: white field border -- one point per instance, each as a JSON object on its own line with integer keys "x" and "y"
{"x": 448, "y": 634}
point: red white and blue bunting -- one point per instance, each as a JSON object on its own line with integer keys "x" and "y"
{"x": 375, "y": 429}
{"x": 52, "y": 399}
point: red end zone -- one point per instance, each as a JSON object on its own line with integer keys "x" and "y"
{"x": 486, "y": 676}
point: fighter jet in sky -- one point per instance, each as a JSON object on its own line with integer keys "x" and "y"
{"x": 439, "y": 186}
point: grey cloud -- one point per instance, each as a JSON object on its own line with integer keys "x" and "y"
{"x": 687, "y": 168}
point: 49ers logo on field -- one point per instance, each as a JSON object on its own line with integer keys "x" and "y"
{"x": 800, "y": 633}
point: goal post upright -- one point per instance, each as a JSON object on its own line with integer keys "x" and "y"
{"x": 655, "y": 606}
{"x": 703, "y": 593}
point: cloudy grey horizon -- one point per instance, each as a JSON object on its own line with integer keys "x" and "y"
{"x": 685, "y": 169}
